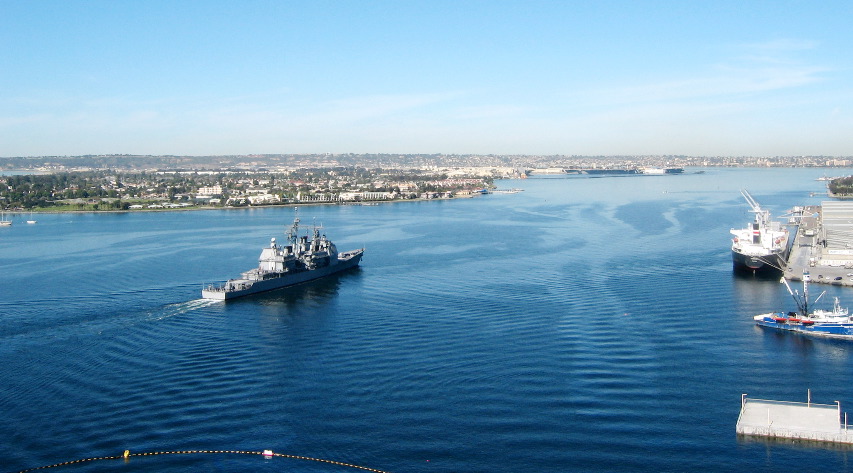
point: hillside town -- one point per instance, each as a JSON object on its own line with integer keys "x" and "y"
{"x": 135, "y": 182}
{"x": 286, "y": 162}
{"x": 114, "y": 190}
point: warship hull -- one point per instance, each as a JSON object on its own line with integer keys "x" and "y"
{"x": 243, "y": 287}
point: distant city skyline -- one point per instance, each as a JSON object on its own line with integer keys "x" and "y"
{"x": 758, "y": 78}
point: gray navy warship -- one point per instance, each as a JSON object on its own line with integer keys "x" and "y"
{"x": 301, "y": 260}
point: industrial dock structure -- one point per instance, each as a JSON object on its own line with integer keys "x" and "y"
{"x": 823, "y": 245}
{"x": 822, "y": 248}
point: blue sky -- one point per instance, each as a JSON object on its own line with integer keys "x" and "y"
{"x": 505, "y": 77}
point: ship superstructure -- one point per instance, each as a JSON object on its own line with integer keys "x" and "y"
{"x": 302, "y": 259}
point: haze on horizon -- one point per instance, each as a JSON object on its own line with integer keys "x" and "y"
{"x": 615, "y": 77}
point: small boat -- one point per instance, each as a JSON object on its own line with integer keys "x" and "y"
{"x": 834, "y": 323}
{"x": 4, "y": 222}
{"x": 31, "y": 221}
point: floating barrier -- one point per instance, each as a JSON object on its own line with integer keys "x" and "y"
{"x": 268, "y": 454}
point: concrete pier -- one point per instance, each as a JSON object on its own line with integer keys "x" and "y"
{"x": 823, "y": 245}
{"x": 793, "y": 420}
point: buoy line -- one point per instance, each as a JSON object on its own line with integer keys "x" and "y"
{"x": 266, "y": 454}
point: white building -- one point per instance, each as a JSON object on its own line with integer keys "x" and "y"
{"x": 212, "y": 190}
{"x": 264, "y": 199}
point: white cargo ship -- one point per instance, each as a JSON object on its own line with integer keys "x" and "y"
{"x": 762, "y": 245}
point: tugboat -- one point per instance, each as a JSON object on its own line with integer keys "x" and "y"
{"x": 835, "y": 323}
{"x": 280, "y": 266}
{"x": 762, "y": 245}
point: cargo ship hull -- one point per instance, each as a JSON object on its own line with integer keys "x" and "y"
{"x": 767, "y": 263}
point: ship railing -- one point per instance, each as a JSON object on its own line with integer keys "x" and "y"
{"x": 272, "y": 275}
{"x": 746, "y": 400}
{"x": 227, "y": 287}
{"x": 212, "y": 287}
{"x": 349, "y": 254}
{"x": 786, "y": 403}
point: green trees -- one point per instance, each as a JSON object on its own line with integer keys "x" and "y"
{"x": 30, "y": 191}
{"x": 841, "y": 186}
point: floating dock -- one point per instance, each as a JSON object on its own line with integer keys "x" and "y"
{"x": 793, "y": 420}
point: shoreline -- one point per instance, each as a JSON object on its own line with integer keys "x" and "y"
{"x": 197, "y": 208}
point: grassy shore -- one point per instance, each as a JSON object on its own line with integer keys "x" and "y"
{"x": 95, "y": 208}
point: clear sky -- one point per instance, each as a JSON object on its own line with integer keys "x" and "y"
{"x": 498, "y": 76}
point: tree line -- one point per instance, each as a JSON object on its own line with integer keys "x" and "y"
{"x": 841, "y": 186}
{"x": 29, "y": 191}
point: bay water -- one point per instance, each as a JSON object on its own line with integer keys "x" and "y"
{"x": 583, "y": 324}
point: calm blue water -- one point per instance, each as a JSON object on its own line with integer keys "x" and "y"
{"x": 581, "y": 325}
